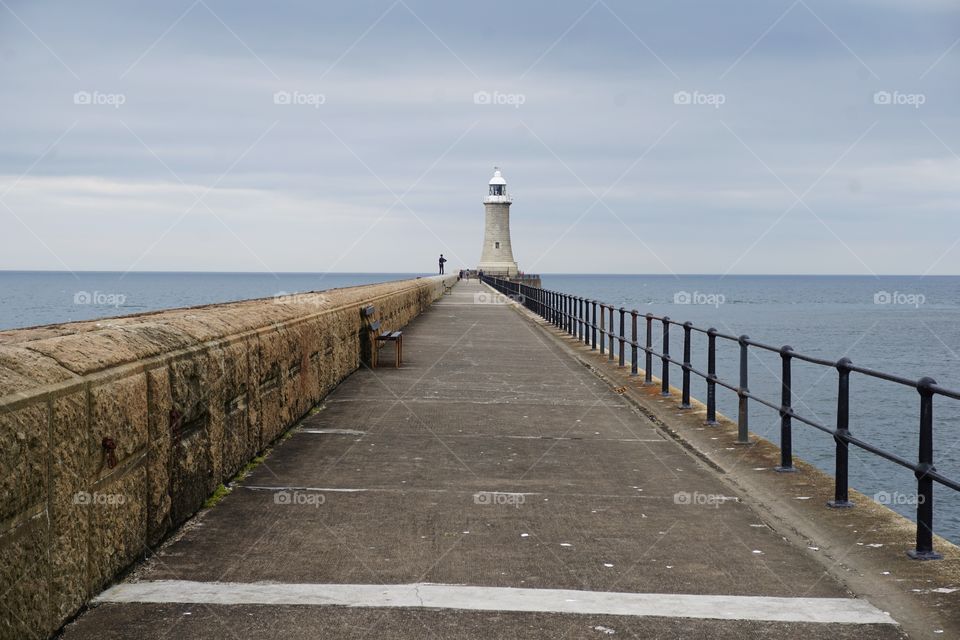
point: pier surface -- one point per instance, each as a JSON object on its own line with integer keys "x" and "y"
{"x": 492, "y": 487}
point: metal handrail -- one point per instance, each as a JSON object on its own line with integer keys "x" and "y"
{"x": 578, "y": 317}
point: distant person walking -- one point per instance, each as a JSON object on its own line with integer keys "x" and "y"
{"x": 442, "y": 260}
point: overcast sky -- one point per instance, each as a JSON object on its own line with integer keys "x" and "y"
{"x": 775, "y": 136}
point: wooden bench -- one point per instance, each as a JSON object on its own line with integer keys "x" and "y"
{"x": 378, "y": 336}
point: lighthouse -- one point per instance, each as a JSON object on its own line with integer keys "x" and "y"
{"x": 496, "y": 258}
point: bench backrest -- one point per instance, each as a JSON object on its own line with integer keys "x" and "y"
{"x": 373, "y": 322}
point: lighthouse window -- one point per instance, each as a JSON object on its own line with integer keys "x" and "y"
{"x": 496, "y": 189}
{"x": 496, "y": 245}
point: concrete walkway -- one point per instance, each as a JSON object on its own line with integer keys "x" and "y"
{"x": 490, "y": 488}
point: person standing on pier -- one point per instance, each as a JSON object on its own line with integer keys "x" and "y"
{"x": 442, "y": 260}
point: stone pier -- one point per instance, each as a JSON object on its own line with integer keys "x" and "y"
{"x": 492, "y": 487}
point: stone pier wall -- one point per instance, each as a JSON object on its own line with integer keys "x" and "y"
{"x": 186, "y": 397}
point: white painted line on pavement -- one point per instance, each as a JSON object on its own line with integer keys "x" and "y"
{"x": 255, "y": 487}
{"x": 345, "y": 432}
{"x": 440, "y": 596}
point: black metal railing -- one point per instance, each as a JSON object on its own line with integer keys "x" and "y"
{"x": 586, "y": 319}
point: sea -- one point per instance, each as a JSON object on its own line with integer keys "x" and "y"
{"x": 906, "y": 325}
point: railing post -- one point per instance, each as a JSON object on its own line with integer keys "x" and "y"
{"x": 633, "y": 342}
{"x": 924, "y": 550}
{"x": 648, "y": 360}
{"x": 685, "y": 395}
{"x": 711, "y": 376}
{"x": 612, "y": 334}
{"x": 562, "y": 311}
{"x": 582, "y": 327}
{"x": 593, "y": 327}
{"x": 578, "y": 309}
{"x": 571, "y": 315}
{"x": 602, "y": 325}
{"x": 623, "y": 314}
{"x": 585, "y": 312}
{"x": 665, "y": 359}
{"x": 578, "y": 313}
{"x": 572, "y": 325}
{"x": 786, "y": 412}
{"x": 743, "y": 416}
{"x": 841, "y": 497}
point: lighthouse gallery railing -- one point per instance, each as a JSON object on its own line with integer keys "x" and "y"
{"x": 587, "y": 320}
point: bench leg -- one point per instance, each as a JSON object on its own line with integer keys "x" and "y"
{"x": 399, "y": 347}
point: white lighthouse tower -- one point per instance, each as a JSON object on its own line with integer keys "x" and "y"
{"x": 496, "y": 259}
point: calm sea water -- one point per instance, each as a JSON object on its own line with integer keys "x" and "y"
{"x": 29, "y": 298}
{"x": 904, "y": 325}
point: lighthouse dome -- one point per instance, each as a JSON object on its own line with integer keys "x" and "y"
{"x": 497, "y": 189}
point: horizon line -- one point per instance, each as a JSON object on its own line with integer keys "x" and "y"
{"x": 426, "y": 273}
